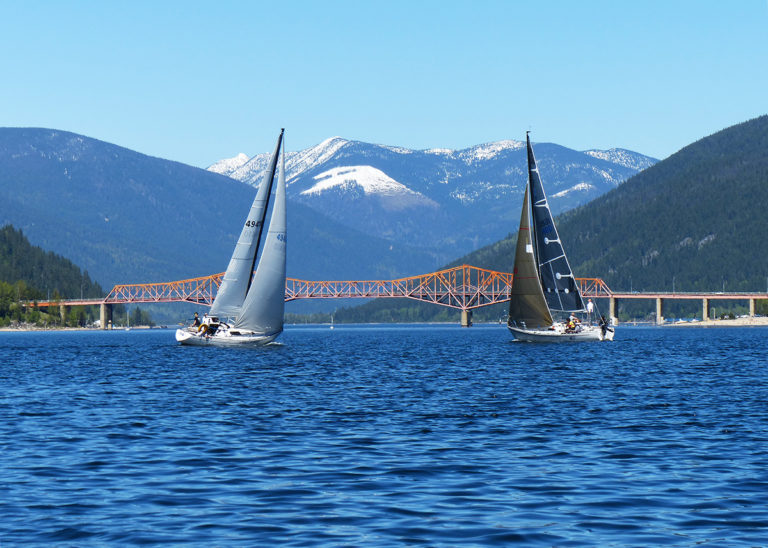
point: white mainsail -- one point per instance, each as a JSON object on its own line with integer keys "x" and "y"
{"x": 237, "y": 278}
{"x": 263, "y": 309}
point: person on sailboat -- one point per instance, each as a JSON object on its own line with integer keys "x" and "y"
{"x": 206, "y": 325}
{"x": 604, "y": 326}
{"x": 590, "y": 310}
{"x": 196, "y": 321}
{"x": 570, "y": 327}
{"x": 573, "y": 324}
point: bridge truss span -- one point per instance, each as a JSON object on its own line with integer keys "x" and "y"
{"x": 195, "y": 290}
{"x": 463, "y": 287}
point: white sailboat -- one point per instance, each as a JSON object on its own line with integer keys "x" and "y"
{"x": 255, "y": 299}
{"x": 543, "y": 282}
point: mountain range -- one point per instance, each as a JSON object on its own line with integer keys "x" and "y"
{"x": 126, "y": 217}
{"x": 447, "y": 201}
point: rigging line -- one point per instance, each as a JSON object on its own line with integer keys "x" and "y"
{"x": 552, "y": 260}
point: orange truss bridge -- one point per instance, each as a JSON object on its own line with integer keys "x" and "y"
{"x": 463, "y": 287}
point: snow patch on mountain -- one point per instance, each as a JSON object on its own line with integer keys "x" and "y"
{"x": 399, "y": 150}
{"x": 489, "y": 150}
{"x": 229, "y": 165}
{"x": 581, "y": 187}
{"x": 252, "y": 170}
{"x": 370, "y": 179}
{"x": 299, "y": 162}
{"x": 479, "y": 153}
{"x": 623, "y": 157}
{"x": 481, "y": 190}
{"x": 440, "y": 151}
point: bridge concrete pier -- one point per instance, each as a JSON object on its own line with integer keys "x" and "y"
{"x": 613, "y": 309}
{"x": 751, "y": 308}
{"x": 466, "y": 318}
{"x": 704, "y": 309}
{"x": 659, "y": 310}
{"x": 105, "y": 315}
{"x": 63, "y": 313}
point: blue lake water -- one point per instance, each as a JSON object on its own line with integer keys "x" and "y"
{"x": 381, "y": 436}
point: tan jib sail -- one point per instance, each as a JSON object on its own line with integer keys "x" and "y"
{"x": 527, "y": 306}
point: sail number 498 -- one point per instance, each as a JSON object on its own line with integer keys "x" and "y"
{"x": 250, "y": 223}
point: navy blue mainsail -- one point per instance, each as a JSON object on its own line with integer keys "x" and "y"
{"x": 557, "y": 281}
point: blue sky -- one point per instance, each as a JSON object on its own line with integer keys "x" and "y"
{"x": 200, "y": 81}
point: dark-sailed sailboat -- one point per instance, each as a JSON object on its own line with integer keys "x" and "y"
{"x": 543, "y": 281}
{"x": 254, "y": 298}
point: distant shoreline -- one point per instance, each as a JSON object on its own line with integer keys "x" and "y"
{"x": 755, "y": 321}
{"x": 34, "y": 328}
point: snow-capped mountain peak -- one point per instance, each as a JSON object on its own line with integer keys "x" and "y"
{"x": 229, "y": 165}
{"x": 299, "y": 162}
{"x": 623, "y": 157}
{"x": 370, "y": 179}
{"x": 478, "y": 153}
{"x": 580, "y": 187}
{"x": 490, "y": 150}
{"x": 436, "y": 197}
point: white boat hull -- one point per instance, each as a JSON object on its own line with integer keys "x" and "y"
{"x": 586, "y": 334}
{"x": 224, "y": 337}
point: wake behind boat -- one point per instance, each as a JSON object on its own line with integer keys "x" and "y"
{"x": 543, "y": 281}
{"x": 255, "y": 299}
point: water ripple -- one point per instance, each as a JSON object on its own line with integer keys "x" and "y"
{"x": 384, "y": 435}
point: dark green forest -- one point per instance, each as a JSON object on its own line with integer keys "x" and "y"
{"x": 693, "y": 222}
{"x": 29, "y": 274}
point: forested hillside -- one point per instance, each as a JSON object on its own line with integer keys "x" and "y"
{"x": 29, "y": 273}
{"x": 696, "y": 220}
{"x": 698, "y": 217}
